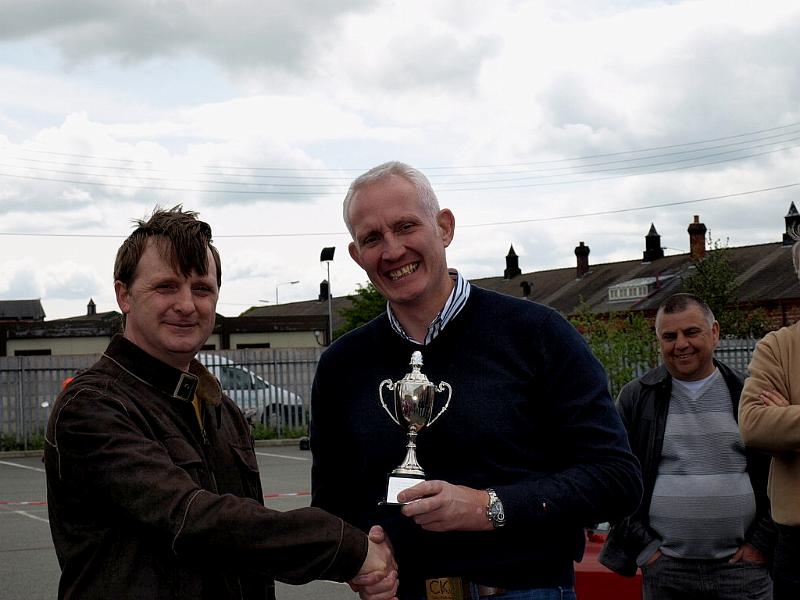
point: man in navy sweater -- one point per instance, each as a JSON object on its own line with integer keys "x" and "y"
{"x": 529, "y": 451}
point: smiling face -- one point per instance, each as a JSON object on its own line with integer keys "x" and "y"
{"x": 687, "y": 343}
{"x": 168, "y": 315}
{"x": 399, "y": 246}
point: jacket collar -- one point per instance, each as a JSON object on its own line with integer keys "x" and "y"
{"x": 660, "y": 375}
{"x": 656, "y": 376}
{"x": 161, "y": 376}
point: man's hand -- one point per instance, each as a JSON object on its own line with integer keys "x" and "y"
{"x": 750, "y": 554}
{"x": 441, "y": 506}
{"x": 377, "y": 579}
{"x": 772, "y": 398}
{"x": 654, "y": 558}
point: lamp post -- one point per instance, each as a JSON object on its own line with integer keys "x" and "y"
{"x": 280, "y": 284}
{"x": 326, "y": 256}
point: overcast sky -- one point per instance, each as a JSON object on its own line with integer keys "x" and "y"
{"x": 540, "y": 124}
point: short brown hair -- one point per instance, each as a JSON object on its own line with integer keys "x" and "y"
{"x": 181, "y": 238}
{"x": 680, "y": 302}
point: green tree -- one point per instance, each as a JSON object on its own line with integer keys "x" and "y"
{"x": 367, "y": 304}
{"x": 714, "y": 280}
{"x": 624, "y": 343}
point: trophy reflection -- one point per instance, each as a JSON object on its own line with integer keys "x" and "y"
{"x": 413, "y": 404}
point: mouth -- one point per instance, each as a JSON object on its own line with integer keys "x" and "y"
{"x": 182, "y": 325}
{"x": 403, "y": 271}
{"x": 684, "y": 356}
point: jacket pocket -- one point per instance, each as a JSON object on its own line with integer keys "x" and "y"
{"x": 185, "y": 456}
{"x": 247, "y": 465}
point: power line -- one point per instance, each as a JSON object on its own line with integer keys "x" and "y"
{"x": 586, "y": 168}
{"x": 445, "y": 167}
{"x": 632, "y": 209}
{"x": 473, "y": 225}
{"x": 442, "y": 186}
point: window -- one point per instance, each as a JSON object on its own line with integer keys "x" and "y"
{"x": 232, "y": 378}
{"x": 40, "y": 352}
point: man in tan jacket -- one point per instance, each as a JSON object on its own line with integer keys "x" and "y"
{"x": 769, "y": 419}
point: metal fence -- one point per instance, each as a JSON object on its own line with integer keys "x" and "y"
{"x": 736, "y": 353}
{"x": 272, "y": 386}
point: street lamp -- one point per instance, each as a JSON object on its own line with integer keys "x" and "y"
{"x": 283, "y": 283}
{"x": 326, "y": 256}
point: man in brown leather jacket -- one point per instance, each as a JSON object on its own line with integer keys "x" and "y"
{"x": 153, "y": 485}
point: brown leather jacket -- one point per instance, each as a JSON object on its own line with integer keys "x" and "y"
{"x": 144, "y": 504}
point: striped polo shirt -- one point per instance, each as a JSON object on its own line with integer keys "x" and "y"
{"x": 455, "y": 302}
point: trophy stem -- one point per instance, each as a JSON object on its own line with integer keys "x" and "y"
{"x": 410, "y": 466}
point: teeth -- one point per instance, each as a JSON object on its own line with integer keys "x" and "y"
{"x": 403, "y": 271}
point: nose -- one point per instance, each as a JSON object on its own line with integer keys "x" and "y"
{"x": 184, "y": 300}
{"x": 392, "y": 248}
{"x": 681, "y": 341}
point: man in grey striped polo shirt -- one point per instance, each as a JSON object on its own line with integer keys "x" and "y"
{"x": 703, "y": 529}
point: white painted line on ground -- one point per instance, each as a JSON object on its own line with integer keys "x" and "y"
{"x": 10, "y": 464}
{"x": 30, "y": 516}
{"x": 282, "y": 456}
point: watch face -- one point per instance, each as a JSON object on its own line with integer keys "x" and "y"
{"x": 496, "y": 513}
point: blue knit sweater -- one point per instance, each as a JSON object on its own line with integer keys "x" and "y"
{"x": 530, "y": 417}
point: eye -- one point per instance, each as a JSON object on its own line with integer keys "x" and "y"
{"x": 405, "y": 227}
{"x": 165, "y": 288}
{"x": 370, "y": 240}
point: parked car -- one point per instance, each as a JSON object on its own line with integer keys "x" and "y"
{"x": 593, "y": 581}
{"x": 261, "y": 401}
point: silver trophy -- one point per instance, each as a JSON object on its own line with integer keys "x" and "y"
{"x": 413, "y": 405}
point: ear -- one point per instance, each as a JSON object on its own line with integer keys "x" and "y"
{"x": 447, "y": 225}
{"x": 715, "y": 331}
{"x": 123, "y": 297}
{"x": 353, "y": 250}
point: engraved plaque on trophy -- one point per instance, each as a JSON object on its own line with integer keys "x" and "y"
{"x": 413, "y": 403}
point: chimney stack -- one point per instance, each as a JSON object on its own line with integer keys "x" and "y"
{"x": 512, "y": 264}
{"x": 697, "y": 239}
{"x": 582, "y": 254}
{"x": 91, "y": 308}
{"x": 652, "y": 246}
{"x": 792, "y": 233}
{"x": 323, "y": 291}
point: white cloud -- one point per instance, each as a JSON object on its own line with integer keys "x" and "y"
{"x": 204, "y": 103}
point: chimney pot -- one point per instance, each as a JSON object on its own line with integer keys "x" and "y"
{"x": 323, "y": 291}
{"x": 582, "y": 254}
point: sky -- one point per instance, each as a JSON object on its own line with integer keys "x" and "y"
{"x": 540, "y": 124}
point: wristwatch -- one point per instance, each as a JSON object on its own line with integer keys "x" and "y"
{"x": 494, "y": 510}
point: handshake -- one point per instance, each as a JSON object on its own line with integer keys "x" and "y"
{"x": 377, "y": 578}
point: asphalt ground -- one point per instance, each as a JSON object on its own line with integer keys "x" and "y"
{"x": 28, "y": 566}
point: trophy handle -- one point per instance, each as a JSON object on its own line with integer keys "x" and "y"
{"x": 440, "y": 388}
{"x": 390, "y": 386}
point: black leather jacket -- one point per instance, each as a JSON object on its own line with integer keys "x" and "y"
{"x": 643, "y": 405}
{"x": 145, "y": 504}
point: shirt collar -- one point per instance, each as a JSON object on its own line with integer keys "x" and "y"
{"x": 455, "y": 303}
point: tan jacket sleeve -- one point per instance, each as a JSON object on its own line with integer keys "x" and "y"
{"x": 775, "y": 366}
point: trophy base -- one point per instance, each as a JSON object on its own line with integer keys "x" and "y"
{"x": 397, "y": 483}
